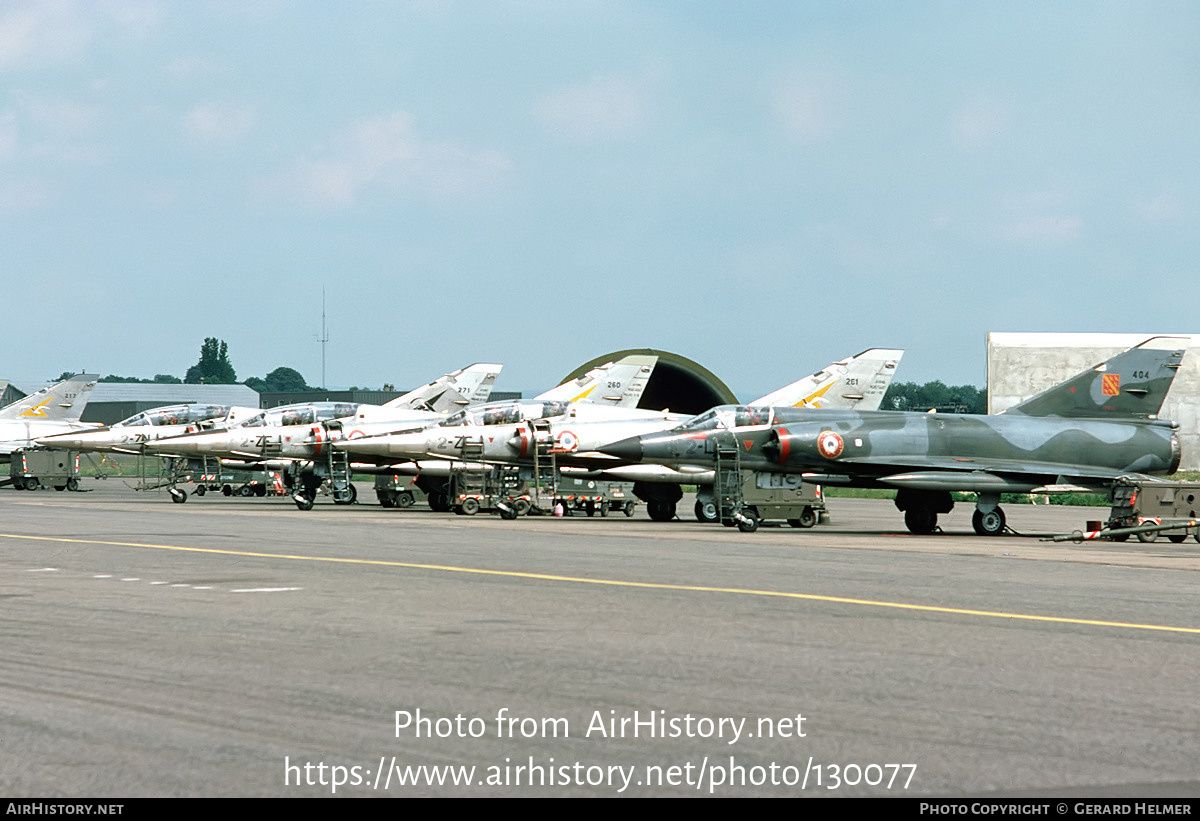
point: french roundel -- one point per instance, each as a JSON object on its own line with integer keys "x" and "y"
{"x": 830, "y": 444}
{"x": 567, "y": 441}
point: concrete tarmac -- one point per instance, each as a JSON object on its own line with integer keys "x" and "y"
{"x": 240, "y": 647}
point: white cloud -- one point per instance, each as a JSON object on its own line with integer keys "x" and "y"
{"x": 40, "y": 33}
{"x": 979, "y": 124}
{"x": 387, "y": 154}
{"x": 1040, "y": 218}
{"x": 23, "y": 195}
{"x": 218, "y": 123}
{"x": 63, "y": 117}
{"x": 1161, "y": 208}
{"x": 600, "y": 110}
{"x": 804, "y": 107}
{"x": 1047, "y": 230}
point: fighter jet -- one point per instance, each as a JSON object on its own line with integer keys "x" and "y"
{"x": 131, "y": 435}
{"x": 1085, "y": 432}
{"x": 572, "y": 432}
{"x": 294, "y": 437}
{"x": 55, "y": 409}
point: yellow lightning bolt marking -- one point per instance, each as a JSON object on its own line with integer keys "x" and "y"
{"x": 37, "y": 410}
{"x": 803, "y": 403}
{"x": 585, "y": 393}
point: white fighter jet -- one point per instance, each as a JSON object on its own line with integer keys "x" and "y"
{"x": 131, "y": 435}
{"x": 295, "y": 437}
{"x": 55, "y": 409}
{"x": 572, "y": 432}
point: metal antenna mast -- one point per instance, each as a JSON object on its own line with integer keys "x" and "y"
{"x": 323, "y": 338}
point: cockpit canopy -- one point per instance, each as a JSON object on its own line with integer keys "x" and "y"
{"x": 175, "y": 415}
{"x": 309, "y": 413}
{"x": 505, "y": 413}
{"x": 728, "y": 416}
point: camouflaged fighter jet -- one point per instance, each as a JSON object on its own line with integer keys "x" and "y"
{"x": 295, "y": 437}
{"x": 131, "y": 435}
{"x": 55, "y": 409}
{"x": 572, "y": 431}
{"x": 1085, "y": 432}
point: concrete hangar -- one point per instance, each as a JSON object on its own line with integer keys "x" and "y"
{"x": 1020, "y": 365}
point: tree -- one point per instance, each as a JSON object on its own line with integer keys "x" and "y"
{"x": 909, "y": 396}
{"x": 280, "y": 379}
{"x": 214, "y": 367}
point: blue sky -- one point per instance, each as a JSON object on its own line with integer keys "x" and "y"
{"x": 760, "y": 186}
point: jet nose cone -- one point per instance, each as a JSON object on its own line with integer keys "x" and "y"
{"x": 628, "y": 449}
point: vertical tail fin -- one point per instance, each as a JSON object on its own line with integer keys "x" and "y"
{"x": 62, "y": 402}
{"x": 466, "y": 386}
{"x": 856, "y": 383}
{"x": 1132, "y": 384}
{"x": 619, "y": 383}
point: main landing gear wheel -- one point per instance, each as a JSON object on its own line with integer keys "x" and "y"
{"x": 990, "y": 523}
{"x": 706, "y": 511}
{"x": 303, "y": 502}
{"x": 661, "y": 511}
{"x": 920, "y": 520}
{"x": 178, "y": 495}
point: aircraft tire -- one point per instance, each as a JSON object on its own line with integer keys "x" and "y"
{"x": 509, "y": 513}
{"x": 706, "y": 511}
{"x": 227, "y": 490}
{"x": 661, "y": 511}
{"x": 260, "y": 491}
{"x": 178, "y": 495}
{"x": 920, "y": 520}
{"x": 590, "y": 508}
{"x": 749, "y": 522}
{"x": 303, "y": 502}
{"x": 990, "y": 523}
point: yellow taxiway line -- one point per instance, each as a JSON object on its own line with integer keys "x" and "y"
{"x": 694, "y": 588}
